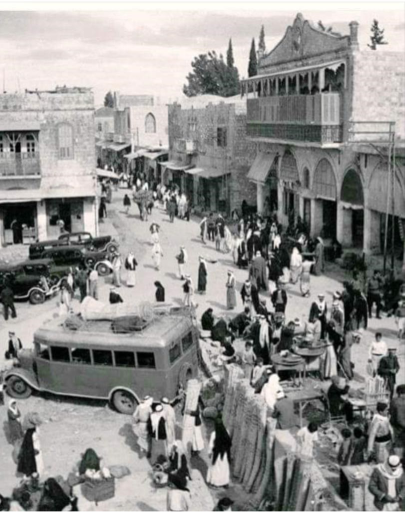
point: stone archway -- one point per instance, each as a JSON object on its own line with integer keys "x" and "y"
{"x": 352, "y": 204}
{"x": 325, "y": 207}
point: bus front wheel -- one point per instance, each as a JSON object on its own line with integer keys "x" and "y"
{"x": 18, "y": 388}
{"x": 124, "y": 402}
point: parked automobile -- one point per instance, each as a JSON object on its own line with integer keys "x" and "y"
{"x": 29, "y": 280}
{"x": 99, "y": 243}
{"x": 83, "y": 239}
{"x": 65, "y": 257}
{"x": 94, "y": 362}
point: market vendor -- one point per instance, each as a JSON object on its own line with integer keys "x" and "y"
{"x": 336, "y": 391}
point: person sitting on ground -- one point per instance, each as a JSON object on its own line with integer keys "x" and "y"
{"x": 336, "y": 390}
{"x": 220, "y": 331}
{"x": 239, "y": 323}
{"x": 207, "y": 320}
{"x": 115, "y": 297}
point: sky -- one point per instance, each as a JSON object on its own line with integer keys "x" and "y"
{"x": 148, "y": 49}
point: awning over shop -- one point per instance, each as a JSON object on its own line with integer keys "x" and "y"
{"x": 261, "y": 167}
{"x": 101, "y": 144}
{"x": 176, "y": 166}
{"x": 135, "y": 154}
{"x": 102, "y": 173}
{"x": 118, "y": 147}
{"x": 19, "y": 126}
{"x": 213, "y": 173}
{"x": 195, "y": 170}
{"x": 19, "y": 196}
{"x": 155, "y": 155}
{"x": 378, "y": 193}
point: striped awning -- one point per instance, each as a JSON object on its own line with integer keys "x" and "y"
{"x": 174, "y": 165}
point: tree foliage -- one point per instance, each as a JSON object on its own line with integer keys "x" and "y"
{"x": 109, "y": 100}
{"x": 212, "y": 75}
{"x": 261, "y": 48}
{"x": 252, "y": 68}
{"x": 377, "y": 36}
{"x": 230, "y": 61}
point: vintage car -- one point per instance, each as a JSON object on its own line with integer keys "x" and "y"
{"x": 29, "y": 280}
{"x": 99, "y": 243}
{"x": 65, "y": 257}
{"x": 93, "y": 361}
{"x": 83, "y": 239}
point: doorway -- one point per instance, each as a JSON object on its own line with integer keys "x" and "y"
{"x": 357, "y": 227}
{"x": 307, "y": 213}
{"x": 329, "y": 219}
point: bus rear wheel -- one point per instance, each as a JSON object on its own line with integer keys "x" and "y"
{"x": 18, "y": 388}
{"x": 124, "y": 402}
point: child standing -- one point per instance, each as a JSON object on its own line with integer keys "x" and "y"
{"x": 248, "y": 360}
{"x": 257, "y": 371}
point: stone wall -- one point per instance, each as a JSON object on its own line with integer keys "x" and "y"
{"x": 137, "y": 125}
{"x": 378, "y": 88}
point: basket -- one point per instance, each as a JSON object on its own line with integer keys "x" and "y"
{"x": 98, "y": 490}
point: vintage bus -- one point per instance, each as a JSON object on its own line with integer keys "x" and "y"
{"x": 94, "y": 362}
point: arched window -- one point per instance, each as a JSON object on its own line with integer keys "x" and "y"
{"x": 306, "y": 178}
{"x": 150, "y": 124}
{"x": 65, "y": 142}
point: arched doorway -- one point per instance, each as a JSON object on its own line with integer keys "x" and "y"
{"x": 272, "y": 187}
{"x": 289, "y": 179}
{"x": 352, "y": 199}
{"x": 325, "y": 190}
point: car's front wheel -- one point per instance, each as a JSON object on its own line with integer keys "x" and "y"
{"x": 17, "y": 387}
{"x": 37, "y": 297}
{"x": 124, "y": 402}
{"x": 112, "y": 248}
{"x": 103, "y": 269}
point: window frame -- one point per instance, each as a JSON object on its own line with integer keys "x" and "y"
{"x": 62, "y": 153}
{"x": 142, "y": 366}
{"x": 75, "y": 349}
{"x": 149, "y": 116}
{"x": 222, "y": 136}
{"x": 184, "y": 346}
{"x": 177, "y": 355}
{"x": 59, "y": 348}
{"x": 102, "y": 364}
{"x": 125, "y": 365}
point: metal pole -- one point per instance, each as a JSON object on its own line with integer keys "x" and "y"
{"x": 388, "y": 209}
{"x": 393, "y": 204}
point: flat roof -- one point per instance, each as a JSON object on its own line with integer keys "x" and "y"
{"x": 160, "y": 333}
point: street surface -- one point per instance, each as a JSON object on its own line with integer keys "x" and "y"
{"x": 70, "y": 426}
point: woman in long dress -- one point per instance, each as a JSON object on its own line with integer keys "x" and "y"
{"x": 65, "y": 299}
{"x": 157, "y": 254}
{"x": 305, "y": 281}
{"x": 220, "y": 452}
{"x": 198, "y": 440}
{"x": 230, "y": 291}
{"x": 130, "y": 266}
{"x": 14, "y": 422}
{"x": 202, "y": 276}
{"x": 295, "y": 265}
{"x": 319, "y": 266}
{"x": 140, "y": 424}
{"x": 30, "y": 455}
{"x": 159, "y": 434}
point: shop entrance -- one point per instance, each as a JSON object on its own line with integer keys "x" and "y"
{"x": 329, "y": 218}
{"x": 353, "y": 209}
{"x": 19, "y": 223}
{"x": 69, "y": 212}
{"x": 307, "y": 213}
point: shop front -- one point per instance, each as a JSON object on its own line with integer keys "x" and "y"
{"x": 18, "y": 223}
{"x": 351, "y": 211}
{"x": 289, "y": 185}
{"x": 64, "y": 212}
{"x": 263, "y": 173}
{"x": 325, "y": 206}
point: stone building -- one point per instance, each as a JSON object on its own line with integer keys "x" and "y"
{"x": 209, "y": 155}
{"x": 312, "y": 93}
{"x": 47, "y": 164}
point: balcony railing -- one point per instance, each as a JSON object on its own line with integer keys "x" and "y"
{"x": 296, "y": 132}
{"x": 305, "y": 118}
{"x": 20, "y": 165}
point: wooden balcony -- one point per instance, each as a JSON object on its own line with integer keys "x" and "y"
{"x": 302, "y": 118}
{"x": 20, "y": 165}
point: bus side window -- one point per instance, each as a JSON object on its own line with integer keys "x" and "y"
{"x": 146, "y": 359}
{"x": 126, "y": 359}
{"x": 174, "y": 352}
{"x": 187, "y": 341}
{"x": 102, "y": 357}
{"x": 42, "y": 351}
{"x": 81, "y": 356}
{"x": 60, "y": 354}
